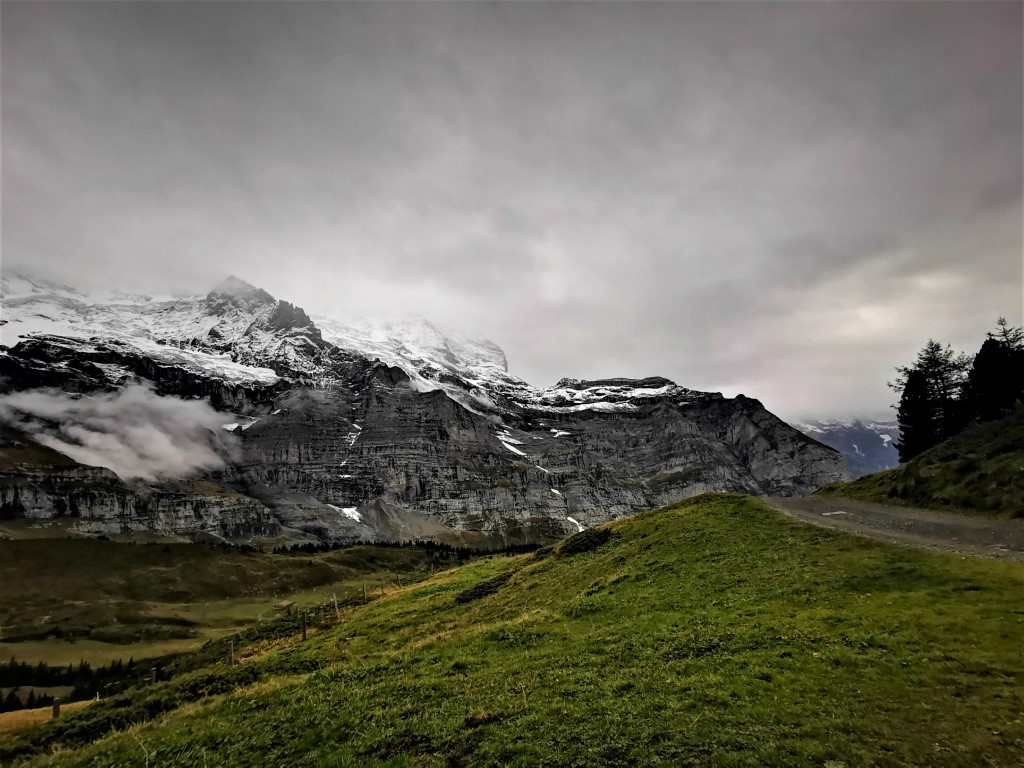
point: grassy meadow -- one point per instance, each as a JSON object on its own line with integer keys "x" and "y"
{"x": 712, "y": 632}
{"x": 66, "y": 600}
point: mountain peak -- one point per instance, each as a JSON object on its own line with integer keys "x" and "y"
{"x": 238, "y": 288}
{"x": 651, "y": 382}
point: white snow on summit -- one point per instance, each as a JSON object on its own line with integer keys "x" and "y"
{"x": 414, "y": 342}
{"x": 236, "y": 334}
{"x": 170, "y": 331}
{"x": 474, "y": 371}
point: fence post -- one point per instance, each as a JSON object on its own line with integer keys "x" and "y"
{"x": 56, "y": 707}
{"x": 337, "y": 613}
{"x": 303, "y": 626}
{"x": 231, "y": 652}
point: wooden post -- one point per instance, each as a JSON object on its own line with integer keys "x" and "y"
{"x": 398, "y": 579}
{"x": 231, "y": 652}
{"x": 337, "y": 613}
{"x": 364, "y": 591}
{"x": 303, "y": 626}
{"x": 56, "y": 707}
{"x": 153, "y": 674}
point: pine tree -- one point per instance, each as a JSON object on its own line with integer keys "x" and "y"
{"x": 918, "y": 420}
{"x": 1010, "y": 335}
{"x": 11, "y": 702}
{"x": 931, "y": 411}
{"x": 995, "y": 382}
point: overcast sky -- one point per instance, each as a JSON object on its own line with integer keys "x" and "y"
{"x": 779, "y": 199}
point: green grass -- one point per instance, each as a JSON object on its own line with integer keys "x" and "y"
{"x": 713, "y": 632}
{"x": 72, "y": 599}
{"x": 980, "y": 471}
{"x": 17, "y": 450}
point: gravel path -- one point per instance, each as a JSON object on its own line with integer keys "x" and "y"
{"x": 926, "y": 528}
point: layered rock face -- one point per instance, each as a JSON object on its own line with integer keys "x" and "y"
{"x": 40, "y": 486}
{"x": 462, "y": 476}
{"x": 409, "y": 436}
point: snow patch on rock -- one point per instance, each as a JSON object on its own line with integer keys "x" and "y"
{"x": 349, "y": 512}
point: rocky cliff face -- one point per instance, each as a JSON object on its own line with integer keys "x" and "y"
{"x": 351, "y": 434}
{"x": 461, "y": 475}
{"x": 40, "y": 487}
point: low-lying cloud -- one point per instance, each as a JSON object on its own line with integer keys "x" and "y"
{"x": 134, "y": 432}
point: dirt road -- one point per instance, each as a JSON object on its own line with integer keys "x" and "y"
{"x": 986, "y": 537}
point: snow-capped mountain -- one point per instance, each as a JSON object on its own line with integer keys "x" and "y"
{"x": 393, "y": 431}
{"x": 238, "y": 333}
{"x": 471, "y": 370}
{"x": 867, "y": 445}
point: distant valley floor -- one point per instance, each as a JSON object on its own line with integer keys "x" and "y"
{"x": 926, "y": 528}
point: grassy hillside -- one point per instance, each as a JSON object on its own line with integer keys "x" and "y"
{"x": 713, "y": 632}
{"x": 980, "y": 471}
{"x": 71, "y": 599}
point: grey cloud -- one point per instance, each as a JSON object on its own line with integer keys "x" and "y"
{"x": 689, "y": 189}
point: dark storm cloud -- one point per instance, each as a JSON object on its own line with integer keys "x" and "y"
{"x": 784, "y": 199}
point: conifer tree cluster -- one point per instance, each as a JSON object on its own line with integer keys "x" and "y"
{"x": 86, "y": 681}
{"x": 944, "y": 391}
{"x": 429, "y": 546}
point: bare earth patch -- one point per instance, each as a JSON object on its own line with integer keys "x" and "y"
{"x": 925, "y": 528}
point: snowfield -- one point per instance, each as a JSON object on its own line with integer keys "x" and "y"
{"x": 233, "y": 335}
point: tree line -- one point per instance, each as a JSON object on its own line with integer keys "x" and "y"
{"x": 944, "y": 391}
{"x": 427, "y": 545}
{"x": 12, "y": 702}
{"x": 85, "y": 680}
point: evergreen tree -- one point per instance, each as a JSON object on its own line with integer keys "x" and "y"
{"x": 995, "y": 382}
{"x": 918, "y": 420}
{"x": 931, "y": 411}
{"x": 1010, "y": 335}
{"x": 11, "y": 702}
